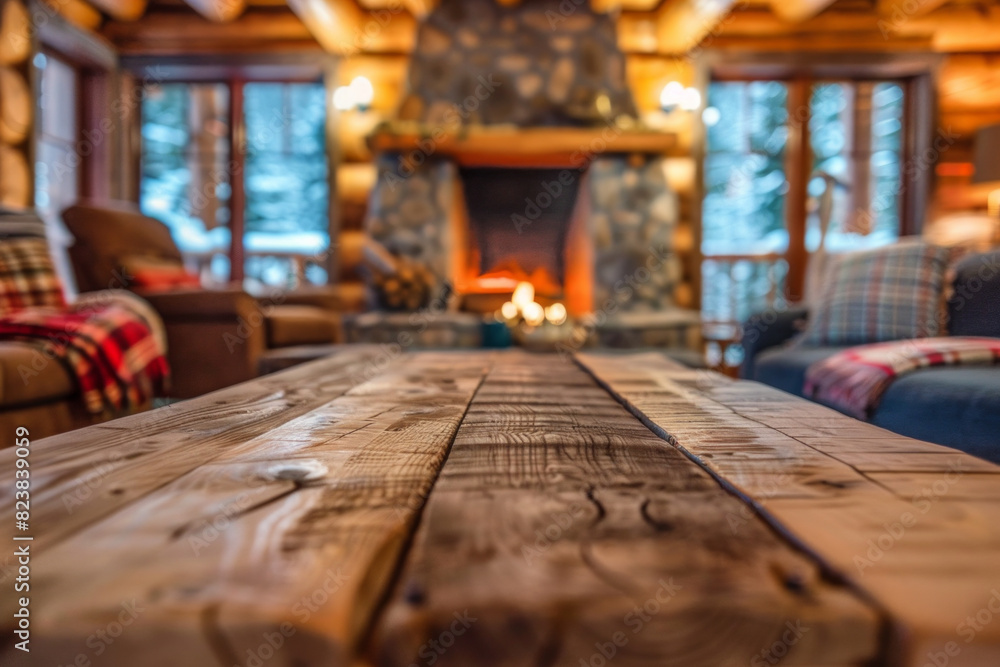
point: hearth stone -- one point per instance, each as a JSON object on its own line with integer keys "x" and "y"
{"x": 425, "y": 329}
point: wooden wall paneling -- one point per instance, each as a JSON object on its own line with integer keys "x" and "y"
{"x": 77, "y": 12}
{"x": 18, "y": 105}
{"x": 15, "y": 32}
{"x": 354, "y": 185}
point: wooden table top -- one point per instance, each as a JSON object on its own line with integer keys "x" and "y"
{"x": 504, "y": 508}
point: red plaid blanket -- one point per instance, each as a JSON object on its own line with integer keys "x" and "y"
{"x": 854, "y": 380}
{"x": 109, "y": 348}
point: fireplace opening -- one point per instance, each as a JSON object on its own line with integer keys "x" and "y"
{"x": 519, "y": 221}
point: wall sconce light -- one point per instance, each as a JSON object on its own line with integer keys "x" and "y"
{"x": 675, "y": 96}
{"x": 358, "y": 95}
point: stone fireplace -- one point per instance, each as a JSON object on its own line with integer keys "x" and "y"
{"x": 517, "y": 155}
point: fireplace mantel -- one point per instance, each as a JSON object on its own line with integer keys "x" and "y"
{"x": 518, "y": 146}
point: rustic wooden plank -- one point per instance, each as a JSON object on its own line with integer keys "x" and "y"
{"x": 573, "y": 535}
{"x": 81, "y": 476}
{"x": 276, "y": 550}
{"x": 932, "y": 562}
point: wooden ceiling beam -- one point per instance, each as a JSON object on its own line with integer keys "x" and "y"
{"x": 420, "y": 8}
{"x": 123, "y": 10}
{"x": 219, "y": 11}
{"x": 796, "y": 11}
{"x": 336, "y": 24}
{"x": 342, "y": 28}
{"x": 683, "y": 24}
{"x": 906, "y": 8}
{"x": 77, "y": 12}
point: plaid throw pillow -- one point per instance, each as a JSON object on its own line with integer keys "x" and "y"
{"x": 889, "y": 293}
{"x": 27, "y": 276}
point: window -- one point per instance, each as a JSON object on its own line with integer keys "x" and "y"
{"x": 185, "y": 169}
{"x": 191, "y": 176}
{"x": 57, "y": 161}
{"x": 755, "y": 235}
{"x": 287, "y": 193}
{"x": 744, "y": 236}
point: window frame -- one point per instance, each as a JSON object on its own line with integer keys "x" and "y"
{"x": 913, "y": 73}
{"x": 235, "y": 72}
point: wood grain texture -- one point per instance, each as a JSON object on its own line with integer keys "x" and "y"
{"x": 82, "y": 476}
{"x": 286, "y": 540}
{"x": 890, "y": 514}
{"x": 561, "y": 529}
{"x": 481, "y": 508}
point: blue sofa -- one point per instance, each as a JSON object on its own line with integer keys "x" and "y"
{"x": 954, "y": 406}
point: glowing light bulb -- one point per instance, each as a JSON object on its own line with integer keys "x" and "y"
{"x": 556, "y": 313}
{"x": 671, "y": 95}
{"x": 363, "y": 91}
{"x": 534, "y": 314}
{"x": 524, "y": 294}
{"x": 508, "y": 310}
{"x": 690, "y": 99}
{"x": 343, "y": 98}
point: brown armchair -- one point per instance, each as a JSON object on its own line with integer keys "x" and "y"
{"x": 216, "y": 337}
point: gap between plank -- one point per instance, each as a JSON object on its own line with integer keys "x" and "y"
{"x": 364, "y": 638}
{"x": 892, "y": 635}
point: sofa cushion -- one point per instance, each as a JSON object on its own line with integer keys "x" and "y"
{"x": 974, "y": 306}
{"x": 28, "y": 377}
{"x": 785, "y": 367}
{"x": 301, "y": 325}
{"x": 957, "y": 407}
{"x": 888, "y": 293}
{"x": 157, "y": 273}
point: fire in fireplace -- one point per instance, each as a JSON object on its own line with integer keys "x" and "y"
{"x": 519, "y": 221}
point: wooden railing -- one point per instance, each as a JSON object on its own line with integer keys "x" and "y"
{"x": 734, "y": 287}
